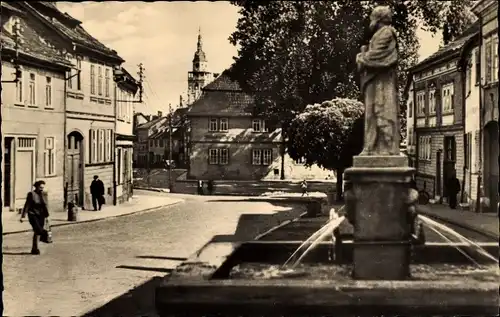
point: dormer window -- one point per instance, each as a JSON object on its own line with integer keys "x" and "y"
{"x": 9, "y": 26}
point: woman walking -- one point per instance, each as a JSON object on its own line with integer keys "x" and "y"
{"x": 37, "y": 210}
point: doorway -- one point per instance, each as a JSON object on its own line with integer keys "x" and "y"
{"x": 74, "y": 169}
{"x": 7, "y": 171}
{"x": 491, "y": 161}
{"x": 449, "y": 160}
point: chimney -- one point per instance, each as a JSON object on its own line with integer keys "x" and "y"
{"x": 160, "y": 114}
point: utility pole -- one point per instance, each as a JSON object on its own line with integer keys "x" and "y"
{"x": 170, "y": 113}
{"x": 141, "y": 80}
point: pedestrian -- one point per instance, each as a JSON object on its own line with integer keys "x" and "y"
{"x": 210, "y": 187}
{"x": 97, "y": 192}
{"x": 303, "y": 186}
{"x": 200, "y": 187}
{"x": 453, "y": 188}
{"x": 37, "y": 209}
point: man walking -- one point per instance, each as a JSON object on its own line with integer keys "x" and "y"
{"x": 453, "y": 190}
{"x": 97, "y": 192}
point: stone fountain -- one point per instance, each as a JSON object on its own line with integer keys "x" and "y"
{"x": 379, "y": 204}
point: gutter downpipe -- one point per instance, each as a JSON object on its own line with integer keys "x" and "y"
{"x": 113, "y": 145}
{"x": 480, "y": 167}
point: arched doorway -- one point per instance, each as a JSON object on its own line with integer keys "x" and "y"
{"x": 491, "y": 163}
{"x": 74, "y": 168}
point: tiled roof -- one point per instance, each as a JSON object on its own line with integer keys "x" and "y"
{"x": 224, "y": 82}
{"x": 150, "y": 123}
{"x": 223, "y": 96}
{"x": 33, "y": 45}
{"x": 76, "y": 33}
{"x": 452, "y": 47}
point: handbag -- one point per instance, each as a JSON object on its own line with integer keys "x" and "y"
{"x": 102, "y": 200}
{"x": 46, "y": 236}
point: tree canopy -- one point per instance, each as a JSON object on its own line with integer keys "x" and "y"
{"x": 328, "y": 134}
{"x": 295, "y": 53}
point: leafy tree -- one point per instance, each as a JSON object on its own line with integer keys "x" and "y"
{"x": 329, "y": 135}
{"x": 295, "y": 53}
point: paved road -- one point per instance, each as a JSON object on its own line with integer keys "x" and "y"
{"x": 90, "y": 264}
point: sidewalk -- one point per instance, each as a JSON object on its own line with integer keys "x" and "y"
{"x": 138, "y": 203}
{"x": 486, "y": 223}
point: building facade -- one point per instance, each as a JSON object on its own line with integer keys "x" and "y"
{"x": 487, "y": 11}
{"x": 90, "y": 107}
{"x": 126, "y": 89}
{"x": 410, "y": 130}
{"x": 145, "y": 152}
{"x": 438, "y": 117}
{"x": 199, "y": 77}
{"x": 228, "y": 143}
{"x": 32, "y": 110}
{"x": 159, "y": 143}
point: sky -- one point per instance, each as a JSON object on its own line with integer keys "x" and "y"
{"x": 163, "y": 36}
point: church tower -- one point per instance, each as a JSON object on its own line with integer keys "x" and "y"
{"x": 199, "y": 77}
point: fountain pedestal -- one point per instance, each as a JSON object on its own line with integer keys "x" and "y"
{"x": 379, "y": 188}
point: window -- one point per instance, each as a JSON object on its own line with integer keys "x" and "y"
{"x": 106, "y": 83}
{"x": 223, "y": 124}
{"x": 119, "y": 168}
{"x": 468, "y": 77}
{"x": 256, "y": 157}
{"x": 19, "y": 90}
{"x": 161, "y": 142}
{"x": 99, "y": 80}
{"x": 262, "y": 157}
{"x": 256, "y": 125}
{"x": 100, "y": 150}
{"x": 32, "y": 90}
{"x": 410, "y": 109}
{"x": 218, "y": 125}
{"x": 49, "y": 157}
{"x": 48, "y": 92}
{"x": 259, "y": 125}
{"x": 218, "y": 156}
{"x": 432, "y": 101}
{"x": 213, "y": 124}
{"x": 424, "y": 151}
{"x": 410, "y": 137}
{"x": 494, "y": 71}
{"x": 477, "y": 60}
{"x": 447, "y": 98}
{"x": 420, "y": 103}
{"x": 79, "y": 74}
{"x": 93, "y": 146}
{"x": 108, "y": 149}
{"x": 212, "y": 156}
{"x": 151, "y": 143}
{"x": 92, "y": 79}
{"x": 489, "y": 64}
{"x": 267, "y": 155}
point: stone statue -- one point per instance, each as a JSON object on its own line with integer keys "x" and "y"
{"x": 378, "y": 66}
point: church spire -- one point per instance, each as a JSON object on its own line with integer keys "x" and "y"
{"x": 200, "y": 41}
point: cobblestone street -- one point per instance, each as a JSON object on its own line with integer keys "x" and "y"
{"x": 90, "y": 264}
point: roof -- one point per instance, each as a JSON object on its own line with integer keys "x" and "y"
{"x": 150, "y": 123}
{"x": 33, "y": 46}
{"x": 223, "y": 96}
{"x": 451, "y": 48}
{"x": 74, "y": 31}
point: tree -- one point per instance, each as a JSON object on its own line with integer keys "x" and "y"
{"x": 329, "y": 135}
{"x": 295, "y": 53}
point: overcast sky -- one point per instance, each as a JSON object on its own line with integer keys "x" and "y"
{"x": 163, "y": 36}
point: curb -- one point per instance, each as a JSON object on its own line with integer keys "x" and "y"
{"x": 459, "y": 224}
{"x": 158, "y": 190}
{"x": 98, "y": 219}
{"x": 284, "y": 223}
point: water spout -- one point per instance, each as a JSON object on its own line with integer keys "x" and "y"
{"x": 312, "y": 238}
{"x": 434, "y": 225}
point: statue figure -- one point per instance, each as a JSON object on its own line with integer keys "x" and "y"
{"x": 378, "y": 66}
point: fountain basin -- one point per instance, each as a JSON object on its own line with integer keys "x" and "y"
{"x": 223, "y": 280}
